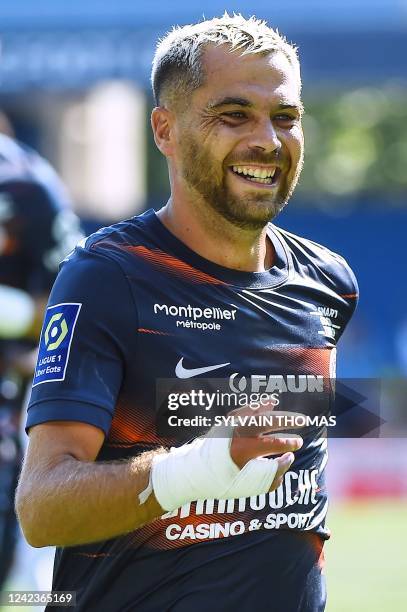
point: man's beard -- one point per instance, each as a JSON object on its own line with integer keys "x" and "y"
{"x": 250, "y": 212}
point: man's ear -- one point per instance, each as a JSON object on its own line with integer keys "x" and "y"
{"x": 162, "y": 122}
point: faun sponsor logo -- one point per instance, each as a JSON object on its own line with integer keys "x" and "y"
{"x": 277, "y": 383}
{"x": 194, "y": 317}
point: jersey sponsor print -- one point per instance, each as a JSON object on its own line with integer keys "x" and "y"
{"x": 153, "y": 310}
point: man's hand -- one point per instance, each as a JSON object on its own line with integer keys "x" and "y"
{"x": 226, "y": 463}
{"x": 251, "y": 442}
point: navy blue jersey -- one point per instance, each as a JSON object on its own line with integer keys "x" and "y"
{"x": 133, "y": 307}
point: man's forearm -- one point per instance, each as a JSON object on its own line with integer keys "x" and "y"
{"x": 64, "y": 498}
{"x": 79, "y": 502}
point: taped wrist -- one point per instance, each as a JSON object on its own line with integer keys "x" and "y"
{"x": 204, "y": 470}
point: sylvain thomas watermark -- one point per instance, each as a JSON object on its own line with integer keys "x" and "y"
{"x": 302, "y": 404}
{"x": 273, "y": 421}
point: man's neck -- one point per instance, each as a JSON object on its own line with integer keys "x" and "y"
{"x": 216, "y": 239}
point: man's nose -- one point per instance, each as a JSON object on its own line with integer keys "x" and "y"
{"x": 265, "y": 137}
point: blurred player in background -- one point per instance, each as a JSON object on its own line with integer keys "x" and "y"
{"x": 37, "y": 230}
{"x": 206, "y": 285}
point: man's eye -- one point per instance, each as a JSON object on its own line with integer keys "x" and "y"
{"x": 234, "y": 115}
{"x": 286, "y": 118}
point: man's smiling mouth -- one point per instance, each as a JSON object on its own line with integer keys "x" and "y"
{"x": 257, "y": 174}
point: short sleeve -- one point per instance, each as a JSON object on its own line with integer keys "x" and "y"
{"x": 84, "y": 343}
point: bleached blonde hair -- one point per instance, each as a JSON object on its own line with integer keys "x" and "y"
{"x": 177, "y": 65}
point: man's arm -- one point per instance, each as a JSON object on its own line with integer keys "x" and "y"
{"x": 64, "y": 498}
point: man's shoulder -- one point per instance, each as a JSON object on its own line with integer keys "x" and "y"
{"x": 116, "y": 242}
{"x": 116, "y": 236}
{"x": 310, "y": 248}
{"x": 315, "y": 256}
{"x": 110, "y": 257}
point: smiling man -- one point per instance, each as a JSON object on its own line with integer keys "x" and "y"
{"x": 234, "y": 144}
{"x": 256, "y": 136}
{"x": 144, "y": 518}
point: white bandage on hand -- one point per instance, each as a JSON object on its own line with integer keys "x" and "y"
{"x": 204, "y": 470}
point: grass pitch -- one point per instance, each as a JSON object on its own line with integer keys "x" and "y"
{"x": 366, "y": 557}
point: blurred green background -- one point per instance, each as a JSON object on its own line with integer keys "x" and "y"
{"x": 366, "y": 564}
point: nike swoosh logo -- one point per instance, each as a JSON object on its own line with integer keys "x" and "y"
{"x": 182, "y": 372}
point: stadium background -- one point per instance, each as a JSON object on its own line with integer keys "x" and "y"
{"x": 74, "y": 83}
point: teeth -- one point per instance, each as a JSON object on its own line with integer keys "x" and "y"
{"x": 262, "y": 173}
